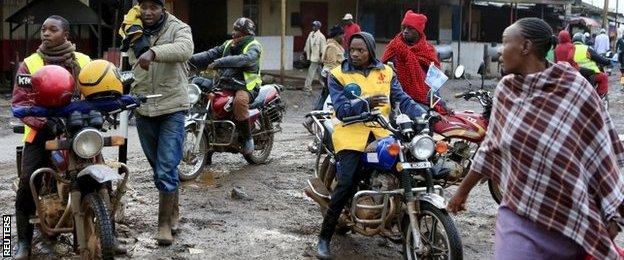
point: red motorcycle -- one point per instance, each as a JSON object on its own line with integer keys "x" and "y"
{"x": 464, "y": 131}
{"x": 210, "y": 126}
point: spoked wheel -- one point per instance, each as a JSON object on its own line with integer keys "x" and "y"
{"x": 495, "y": 191}
{"x": 193, "y": 160}
{"x": 438, "y": 236}
{"x": 98, "y": 229}
{"x": 263, "y": 145}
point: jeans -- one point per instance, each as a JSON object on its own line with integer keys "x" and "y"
{"x": 161, "y": 139}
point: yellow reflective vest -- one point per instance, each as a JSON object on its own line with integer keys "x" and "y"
{"x": 252, "y": 78}
{"x": 34, "y": 62}
{"x": 581, "y": 57}
{"x": 355, "y": 136}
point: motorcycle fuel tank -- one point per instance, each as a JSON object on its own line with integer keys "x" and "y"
{"x": 465, "y": 125}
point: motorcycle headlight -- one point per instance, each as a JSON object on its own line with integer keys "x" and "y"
{"x": 422, "y": 147}
{"x": 88, "y": 143}
{"x": 194, "y": 93}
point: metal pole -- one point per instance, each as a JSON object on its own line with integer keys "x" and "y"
{"x": 282, "y": 41}
{"x": 461, "y": 10}
{"x": 469, "y": 20}
{"x": 124, "y": 115}
{"x": 605, "y": 12}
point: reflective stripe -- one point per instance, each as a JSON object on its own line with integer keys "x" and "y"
{"x": 581, "y": 58}
{"x": 34, "y": 63}
{"x": 252, "y": 79}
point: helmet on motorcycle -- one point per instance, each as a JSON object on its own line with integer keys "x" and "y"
{"x": 245, "y": 25}
{"x": 99, "y": 78}
{"x": 578, "y": 37}
{"x": 53, "y": 86}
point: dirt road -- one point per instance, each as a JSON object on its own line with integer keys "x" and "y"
{"x": 276, "y": 221}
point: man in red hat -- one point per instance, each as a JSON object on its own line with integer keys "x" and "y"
{"x": 412, "y": 54}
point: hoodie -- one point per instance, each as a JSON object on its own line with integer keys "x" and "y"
{"x": 565, "y": 49}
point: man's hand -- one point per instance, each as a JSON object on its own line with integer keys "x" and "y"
{"x": 211, "y": 66}
{"x": 145, "y": 59}
{"x": 377, "y": 101}
{"x": 457, "y": 202}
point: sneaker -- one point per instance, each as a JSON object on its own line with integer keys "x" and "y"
{"x": 248, "y": 147}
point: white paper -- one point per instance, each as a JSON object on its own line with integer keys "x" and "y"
{"x": 372, "y": 157}
{"x": 435, "y": 78}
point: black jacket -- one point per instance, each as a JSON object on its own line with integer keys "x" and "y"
{"x": 230, "y": 63}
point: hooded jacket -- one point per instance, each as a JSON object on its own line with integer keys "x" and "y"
{"x": 565, "y": 49}
{"x": 375, "y": 79}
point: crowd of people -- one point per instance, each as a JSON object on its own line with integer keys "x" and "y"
{"x": 551, "y": 144}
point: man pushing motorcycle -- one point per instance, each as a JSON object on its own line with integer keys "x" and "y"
{"x": 238, "y": 63}
{"x": 379, "y": 88}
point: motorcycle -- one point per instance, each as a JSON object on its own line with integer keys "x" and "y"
{"x": 81, "y": 192}
{"x": 398, "y": 199}
{"x": 209, "y": 125}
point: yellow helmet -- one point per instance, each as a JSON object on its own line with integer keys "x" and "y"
{"x": 99, "y": 78}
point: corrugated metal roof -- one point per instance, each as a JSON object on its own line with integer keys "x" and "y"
{"x": 74, "y": 11}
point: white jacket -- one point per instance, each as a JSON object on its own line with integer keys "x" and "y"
{"x": 315, "y": 45}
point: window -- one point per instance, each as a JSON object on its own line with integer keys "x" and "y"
{"x": 251, "y": 10}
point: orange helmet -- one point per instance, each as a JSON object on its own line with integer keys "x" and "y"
{"x": 53, "y": 86}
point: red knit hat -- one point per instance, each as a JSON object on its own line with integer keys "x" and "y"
{"x": 414, "y": 20}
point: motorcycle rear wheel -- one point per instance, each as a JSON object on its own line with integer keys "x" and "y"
{"x": 98, "y": 228}
{"x": 265, "y": 141}
{"x": 438, "y": 234}
{"x": 495, "y": 191}
{"x": 193, "y": 163}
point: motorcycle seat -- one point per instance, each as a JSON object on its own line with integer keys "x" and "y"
{"x": 266, "y": 93}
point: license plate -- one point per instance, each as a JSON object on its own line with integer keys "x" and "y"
{"x": 417, "y": 165}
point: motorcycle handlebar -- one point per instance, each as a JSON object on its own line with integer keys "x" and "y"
{"x": 357, "y": 118}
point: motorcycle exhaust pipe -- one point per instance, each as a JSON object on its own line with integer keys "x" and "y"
{"x": 318, "y": 199}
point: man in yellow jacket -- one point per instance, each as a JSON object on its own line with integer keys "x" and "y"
{"x": 379, "y": 86}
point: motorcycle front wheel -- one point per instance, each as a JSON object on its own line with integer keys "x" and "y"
{"x": 438, "y": 235}
{"x": 98, "y": 228}
{"x": 193, "y": 161}
{"x": 263, "y": 145}
{"x": 495, "y": 191}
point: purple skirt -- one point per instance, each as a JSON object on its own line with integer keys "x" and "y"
{"x": 520, "y": 238}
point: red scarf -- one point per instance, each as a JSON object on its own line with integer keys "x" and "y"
{"x": 411, "y": 63}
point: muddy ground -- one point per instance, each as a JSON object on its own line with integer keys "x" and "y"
{"x": 277, "y": 221}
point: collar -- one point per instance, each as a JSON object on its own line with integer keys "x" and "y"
{"x": 348, "y": 67}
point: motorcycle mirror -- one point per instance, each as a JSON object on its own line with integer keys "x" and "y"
{"x": 126, "y": 77}
{"x": 459, "y": 71}
{"x": 352, "y": 91}
{"x": 481, "y": 70}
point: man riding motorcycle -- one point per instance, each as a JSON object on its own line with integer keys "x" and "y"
{"x": 55, "y": 49}
{"x": 238, "y": 64}
{"x": 379, "y": 86}
{"x": 589, "y": 61}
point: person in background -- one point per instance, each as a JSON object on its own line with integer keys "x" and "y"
{"x": 314, "y": 47}
{"x": 332, "y": 57}
{"x": 350, "y": 28}
{"x": 161, "y": 69}
{"x": 412, "y": 55}
{"x": 552, "y": 147}
{"x": 55, "y": 49}
{"x": 589, "y": 63}
{"x": 619, "y": 50}
{"x": 602, "y": 44}
{"x": 565, "y": 49}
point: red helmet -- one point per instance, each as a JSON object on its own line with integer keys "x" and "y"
{"x": 53, "y": 86}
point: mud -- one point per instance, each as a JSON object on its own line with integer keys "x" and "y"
{"x": 275, "y": 220}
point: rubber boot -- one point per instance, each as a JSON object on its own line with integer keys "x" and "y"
{"x": 165, "y": 210}
{"x": 327, "y": 231}
{"x": 24, "y": 236}
{"x": 247, "y": 143}
{"x": 175, "y": 215}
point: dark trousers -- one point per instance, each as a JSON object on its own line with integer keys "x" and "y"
{"x": 34, "y": 156}
{"x": 349, "y": 176}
